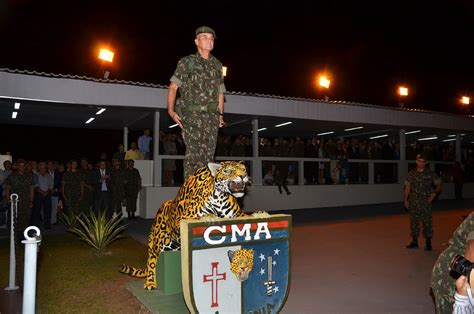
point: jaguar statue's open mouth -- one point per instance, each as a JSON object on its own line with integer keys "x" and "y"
{"x": 237, "y": 188}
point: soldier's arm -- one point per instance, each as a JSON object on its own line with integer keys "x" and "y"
{"x": 82, "y": 187}
{"x": 469, "y": 250}
{"x": 220, "y": 108}
{"x": 406, "y": 193}
{"x": 437, "y": 183}
{"x": 8, "y": 190}
{"x": 171, "y": 100}
{"x": 63, "y": 185}
{"x": 32, "y": 193}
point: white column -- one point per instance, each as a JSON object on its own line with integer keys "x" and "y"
{"x": 458, "y": 148}
{"x": 29, "y": 285}
{"x": 125, "y": 138}
{"x": 256, "y": 162}
{"x": 301, "y": 172}
{"x": 371, "y": 172}
{"x": 156, "y": 150}
{"x": 403, "y": 164}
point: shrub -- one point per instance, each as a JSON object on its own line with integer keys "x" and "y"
{"x": 97, "y": 231}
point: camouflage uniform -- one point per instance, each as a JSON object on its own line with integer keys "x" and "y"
{"x": 133, "y": 183}
{"x": 419, "y": 206}
{"x": 117, "y": 181}
{"x": 443, "y": 285}
{"x": 21, "y": 184}
{"x": 200, "y": 83}
{"x": 87, "y": 201}
{"x": 72, "y": 188}
{"x": 121, "y": 157}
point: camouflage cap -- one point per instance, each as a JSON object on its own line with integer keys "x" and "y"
{"x": 205, "y": 29}
{"x": 422, "y": 156}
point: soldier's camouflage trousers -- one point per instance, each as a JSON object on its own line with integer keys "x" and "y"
{"x": 420, "y": 212}
{"x": 442, "y": 283}
{"x": 200, "y": 136}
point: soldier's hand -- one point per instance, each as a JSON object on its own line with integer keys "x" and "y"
{"x": 176, "y": 118}
{"x": 221, "y": 122}
{"x": 461, "y": 285}
{"x": 431, "y": 197}
{"x": 406, "y": 205}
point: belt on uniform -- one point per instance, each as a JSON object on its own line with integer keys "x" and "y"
{"x": 211, "y": 107}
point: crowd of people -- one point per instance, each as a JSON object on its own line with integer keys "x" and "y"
{"x": 336, "y": 171}
{"x": 48, "y": 187}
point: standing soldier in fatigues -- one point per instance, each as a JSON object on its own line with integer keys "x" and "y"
{"x": 72, "y": 191}
{"x": 21, "y": 183}
{"x": 133, "y": 185}
{"x": 443, "y": 285}
{"x": 417, "y": 198}
{"x": 200, "y": 80}
{"x": 117, "y": 182}
{"x": 87, "y": 187}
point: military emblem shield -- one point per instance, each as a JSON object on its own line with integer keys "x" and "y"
{"x": 239, "y": 265}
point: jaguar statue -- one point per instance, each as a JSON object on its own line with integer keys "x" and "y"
{"x": 211, "y": 192}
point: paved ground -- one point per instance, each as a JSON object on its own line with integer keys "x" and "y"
{"x": 353, "y": 259}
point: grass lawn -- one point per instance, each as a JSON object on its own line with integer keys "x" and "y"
{"x": 71, "y": 278}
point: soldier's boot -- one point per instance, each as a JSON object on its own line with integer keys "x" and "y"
{"x": 413, "y": 244}
{"x": 428, "y": 246}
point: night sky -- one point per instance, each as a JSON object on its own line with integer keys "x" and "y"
{"x": 367, "y": 47}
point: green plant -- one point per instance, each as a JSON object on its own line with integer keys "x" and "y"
{"x": 68, "y": 219}
{"x": 98, "y": 231}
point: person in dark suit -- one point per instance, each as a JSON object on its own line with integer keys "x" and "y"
{"x": 102, "y": 190}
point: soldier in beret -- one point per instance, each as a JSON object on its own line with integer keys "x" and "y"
{"x": 200, "y": 110}
{"x": 417, "y": 197}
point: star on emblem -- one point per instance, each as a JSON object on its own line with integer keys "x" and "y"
{"x": 261, "y": 257}
{"x": 262, "y": 271}
{"x": 276, "y": 289}
{"x": 276, "y": 252}
{"x": 274, "y": 263}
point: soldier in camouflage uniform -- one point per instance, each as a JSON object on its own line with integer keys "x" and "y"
{"x": 443, "y": 285}
{"x": 200, "y": 80}
{"x": 417, "y": 198}
{"x": 117, "y": 181}
{"x": 87, "y": 186}
{"x": 71, "y": 185}
{"x": 21, "y": 183}
{"x": 133, "y": 185}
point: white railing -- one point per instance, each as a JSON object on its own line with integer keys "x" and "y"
{"x": 13, "y": 213}
{"x": 153, "y": 174}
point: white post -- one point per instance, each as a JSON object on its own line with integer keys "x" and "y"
{"x": 256, "y": 162}
{"x": 29, "y": 285}
{"x": 13, "y": 213}
{"x": 125, "y": 138}
{"x": 157, "y": 171}
{"x": 371, "y": 172}
{"x": 403, "y": 164}
{"x": 301, "y": 172}
{"x": 458, "y": 148}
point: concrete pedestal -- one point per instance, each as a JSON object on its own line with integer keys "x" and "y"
{"x": 168, "y": 297}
